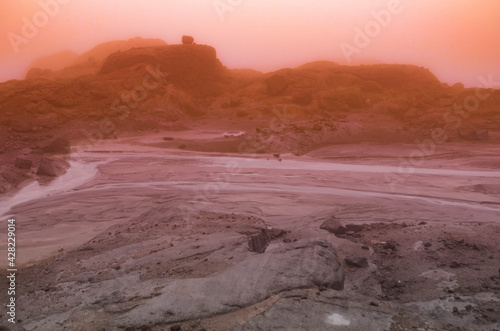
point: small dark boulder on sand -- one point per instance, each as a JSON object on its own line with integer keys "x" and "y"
{"x": 22, "y": 162}
{"x": 10, "y": 177}
{"x": 354, "y": 227}
{"x": 277, "y": 233}
{"x": 334, "y": 226}
{"x": 52, "y": 167}
{"x": 356, "y": 262}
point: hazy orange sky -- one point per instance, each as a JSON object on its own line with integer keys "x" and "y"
{"x": 458, "y": 40}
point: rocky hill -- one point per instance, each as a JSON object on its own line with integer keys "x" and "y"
{"x": 193, "y": 68}
{"x": 102, "y": 51}
{"x": 55, "y": 62}
{"x": 289, "y": 110}
{"x": 67, "y": 64}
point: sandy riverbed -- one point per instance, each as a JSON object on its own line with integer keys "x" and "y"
{"x": 112, "y": 185}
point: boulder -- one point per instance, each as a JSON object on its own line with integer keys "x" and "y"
{"x": 5, "y": 185}
{"x": 52, "y": 167}
{"x": 57, "y": 146}
{"x": 258, "y": 242}
{"x": 187, "y": 40}
{"x": 356, "y": 262}
{"x": 354, "y": 227}
{"x": 22, "y": 162}
{"x": 194, "y": 69}
{"x": 10, "y": 177}
{"x": 302, "y": 264}
{"x": 277, "y": 233}
{"x": 334, "y": 226}
{"x": 328, "y": 311}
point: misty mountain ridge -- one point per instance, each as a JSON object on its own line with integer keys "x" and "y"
{"x": 156, "y": 86}
{"x": 90, "y": 60}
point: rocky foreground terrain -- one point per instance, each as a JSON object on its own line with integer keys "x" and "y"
{"x": 160, "y": 271}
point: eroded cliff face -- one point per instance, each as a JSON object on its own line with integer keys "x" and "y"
{"x": 194, "y": 68}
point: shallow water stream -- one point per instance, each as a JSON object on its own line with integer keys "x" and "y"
{"x": 108, "y": 186}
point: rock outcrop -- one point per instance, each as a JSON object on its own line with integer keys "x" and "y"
{"x": 10, "y": 177}
{"x": 258, "y": 242}
{"x": 303, "y": 264}
{"x": 194, "y": 68}
{"x": 187, "y": 40}
{"x": 334, "y": 226}
{"x": 52, "y": 167}
{"x": 100, "y": 52}
{"x": 23, "y": 162}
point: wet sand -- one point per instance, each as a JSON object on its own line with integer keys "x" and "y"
{"x": 122, "y": 179}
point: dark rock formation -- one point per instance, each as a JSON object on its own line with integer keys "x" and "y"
{"x": 258, "y": 242}
{"x": 10, "y": 177}
{"x": 354, "y": 227}
{"x": 334, "y": 226}
{"x": 194, "y": 68}
{"x": 52, "y": 167}
{"x": 22, "y": 162}
{"x": 357, "y": 262}
{"x": 303, "y": 264}
{"x": 187, "y": 40}
{"x": 277, "y": 233}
